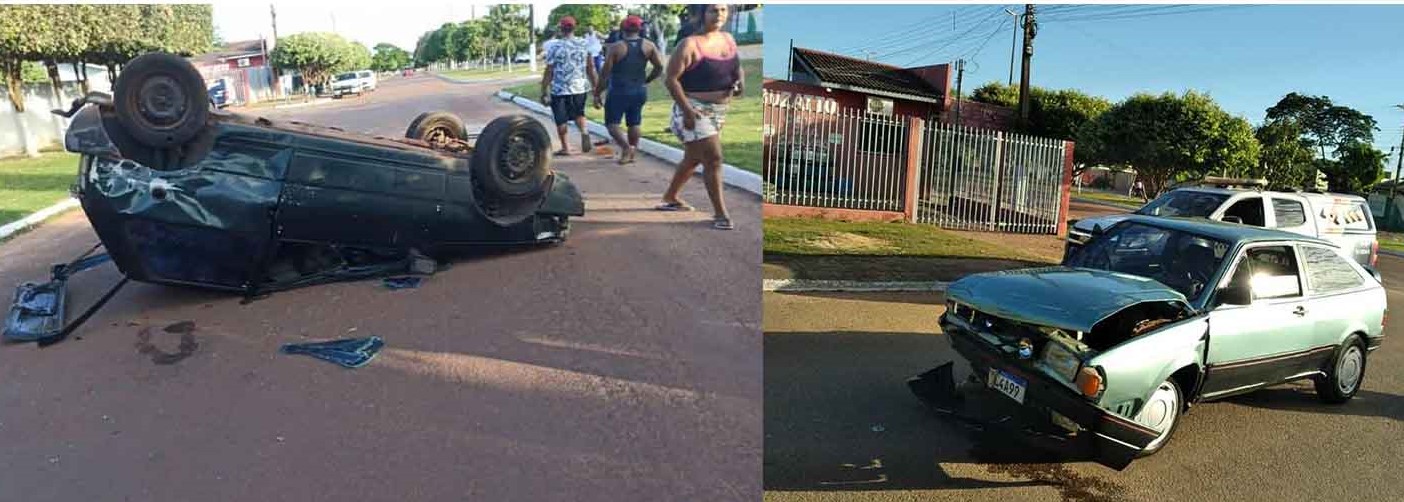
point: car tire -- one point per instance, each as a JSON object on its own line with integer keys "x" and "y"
{"x": 433, "y": 127}
{"x": 161, "y": 100}
{"x": 1162, "y": 412}
{"x": 512, "y": 157}
{"x": 1344, "y": 374}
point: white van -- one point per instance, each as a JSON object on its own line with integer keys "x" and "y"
{"x": 1342, "y": 219}
{"x": 353, "y": 82}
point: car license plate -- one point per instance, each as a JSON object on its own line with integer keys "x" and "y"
{"x": 1006, "y": 384}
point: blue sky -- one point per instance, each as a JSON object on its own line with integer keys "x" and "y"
{"x": 1246, "y": 57}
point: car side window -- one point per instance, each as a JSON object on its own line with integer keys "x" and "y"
{"x": 1248, "y": 211}
{"x": 1328, "y": 272}
{"x": 1289, "y": 213}
{"x": 1274, "y": 272}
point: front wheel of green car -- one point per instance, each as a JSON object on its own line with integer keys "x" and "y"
{"x": 1344, "y": 375}
{"x": 1161, "y": 413}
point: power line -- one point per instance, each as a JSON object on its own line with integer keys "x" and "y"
{"x": 924, "y": 27}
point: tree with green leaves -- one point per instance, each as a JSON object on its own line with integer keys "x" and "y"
{"x": 1357, "y": 168}
{"x": 601, "y": 17}
{"x": 1169, "y": 136}
{"x": 507, "y": 28}
{"x": 388, "y": 57}
{"x": 1059, "y": 114}
{"x": 1327, "y": 125}
{"x": 319, "y": 56}
{"x": 1287, "y": 160}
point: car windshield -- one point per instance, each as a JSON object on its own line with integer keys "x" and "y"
{"x": 1183, "y": 261}
{"x": 346, "y": 76}
{"x": 1186, "y": 203}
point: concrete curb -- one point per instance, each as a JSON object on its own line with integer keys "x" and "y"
{"x": 731, "y": 175}
{"x": 809, "y": 285}
{"x": 36, "y": 218}
{"x": 1391, "y": 252}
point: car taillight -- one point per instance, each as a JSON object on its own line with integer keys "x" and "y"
{"x": 1384, "y": 319}
{"x": 1089, "y": 381}
{"x": 1374, "y": 252}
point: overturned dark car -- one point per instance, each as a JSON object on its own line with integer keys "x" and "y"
{"x": 184, "y": 195}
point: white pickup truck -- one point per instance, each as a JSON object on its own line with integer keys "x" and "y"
{"x": 1344, "y": 220}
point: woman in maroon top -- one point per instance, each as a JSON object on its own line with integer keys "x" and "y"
{"x": 703, "y": 75}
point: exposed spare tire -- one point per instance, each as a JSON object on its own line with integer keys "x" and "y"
{"x": 511, "y": 159}
{"x": 160, "y": 100}
{"x": 437, "y": 128}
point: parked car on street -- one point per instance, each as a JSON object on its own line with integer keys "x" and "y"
{"x": 182, "y": 195}
{"x": 1343, "y": 219}
{"x": 1106, "y": 352}
{"x": 353, "y": 82}
{"x": 219, "y": 93}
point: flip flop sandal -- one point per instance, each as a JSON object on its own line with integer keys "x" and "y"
{"x": 561, "y": 153}
{"x": 722, "y": 224}
{"x": 673, "y": 206}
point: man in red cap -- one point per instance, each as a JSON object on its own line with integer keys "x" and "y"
{"x": 623, "y": 77}
{"x": 567, "y": 81}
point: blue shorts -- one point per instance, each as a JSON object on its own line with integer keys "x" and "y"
{"x": 620, "y": 106}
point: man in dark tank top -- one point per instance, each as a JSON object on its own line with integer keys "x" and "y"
{"x": 625, "y": 85}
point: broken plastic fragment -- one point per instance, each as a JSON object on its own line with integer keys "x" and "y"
{"x": 350, "y": 353}
{"x": 408, "y": 282}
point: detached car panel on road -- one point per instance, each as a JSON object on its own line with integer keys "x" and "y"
{"x": 1152, "y": 315}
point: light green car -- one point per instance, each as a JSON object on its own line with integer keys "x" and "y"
{"x": 1109, "y": 350}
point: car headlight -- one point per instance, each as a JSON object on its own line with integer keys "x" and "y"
{"x": 1061, "y": 360}
{"x": 1091, "y": 382}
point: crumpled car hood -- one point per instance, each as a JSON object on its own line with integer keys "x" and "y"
{"x": 1061, "y": 297}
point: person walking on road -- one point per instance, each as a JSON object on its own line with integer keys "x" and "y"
{"x": 703, "y": 75}
{"x": 623, "y": 78}
{"x": 568, "y": 79}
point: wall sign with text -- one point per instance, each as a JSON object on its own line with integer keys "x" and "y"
{"x": 802, "y": 102}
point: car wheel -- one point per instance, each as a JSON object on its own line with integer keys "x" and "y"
{"x": 512, "y": 157}
{"x": 1161, "y": 413}
{"x": 437, "y": 128}
{"x": 1344, "y": 375}
{"x": 161, "y": 100}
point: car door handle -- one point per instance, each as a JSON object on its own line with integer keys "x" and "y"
{"x": 1300, "y": 311}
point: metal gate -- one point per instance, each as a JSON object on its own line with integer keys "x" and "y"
{"x": 975, "y": 179}
{"x": 833, "y": 157}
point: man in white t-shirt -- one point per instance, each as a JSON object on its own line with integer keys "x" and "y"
{"x": 568, "y": 79}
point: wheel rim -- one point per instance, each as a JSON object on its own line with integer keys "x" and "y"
{"x": 1348, "y": 369}
{"x": 161, "y": 102}
{"x": 1160, "y": 412}
{"x": 518, "y": 157}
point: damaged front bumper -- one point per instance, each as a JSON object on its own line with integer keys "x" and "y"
{"x": 1051, "y": 415}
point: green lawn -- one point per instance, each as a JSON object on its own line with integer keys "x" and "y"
{"x": 804, "y": 248}
{"x": 1391, "y": 241}
{"x": 28, "y": 185}
{"x": 741, "y": 139}
{"x": 521, "y": 70}
{"x": 1109, "y": 197}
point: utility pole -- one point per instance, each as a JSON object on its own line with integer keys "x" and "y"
{"x": 1399, "y": 162}
{"x": 960, "y": 78}
{"x": 333, "y": 18}
{"x": 1030, "y": 31}
{"x": 869, "y": 52}
{"x": 531, "y": 35}
{"x": 1013, "y": 44}
{"x": 273, "y": 70}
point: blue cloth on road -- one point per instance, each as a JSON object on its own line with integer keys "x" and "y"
{"x": 351, "y": 352}
{"x": 408, "y": 282}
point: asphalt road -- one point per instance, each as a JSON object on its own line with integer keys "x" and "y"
{"x": 621, "y": 365}
{"x": 841, "y": 425}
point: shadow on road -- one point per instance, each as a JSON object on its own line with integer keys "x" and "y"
{"x": 1301, "y": 397}
{"x": 839, "y": 417}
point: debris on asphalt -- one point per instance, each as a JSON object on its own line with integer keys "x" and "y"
{"x": 187, "y": 347}
{"x": 878, "y": 428}
{"x": 347, "y": 352}
{"x": 407, "y": 282}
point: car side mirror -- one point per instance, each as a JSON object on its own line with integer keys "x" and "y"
{"x": 1236, "y": 295}
{"x": 1098, "y": 230}
{"x": 1233, "y": 219}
